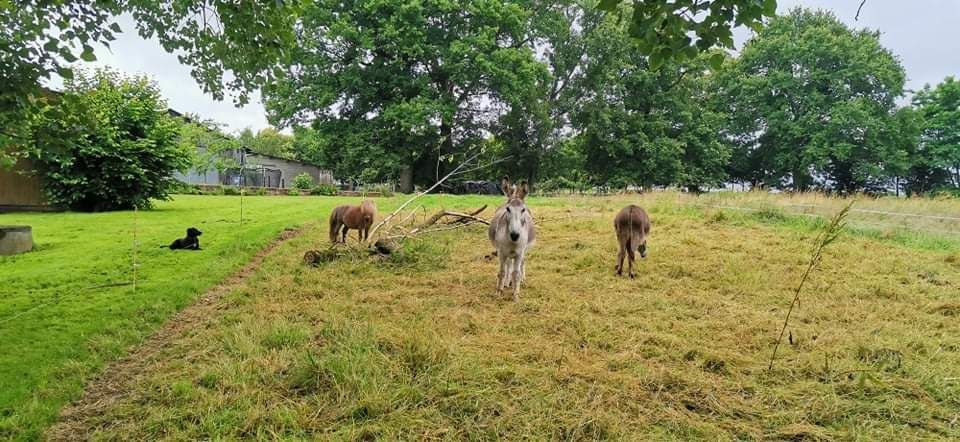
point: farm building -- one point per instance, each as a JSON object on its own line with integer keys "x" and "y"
{"x": 259, "y": 170}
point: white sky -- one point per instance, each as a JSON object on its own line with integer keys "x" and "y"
{"x": 924, "y": 33}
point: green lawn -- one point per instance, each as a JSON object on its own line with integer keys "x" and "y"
{"x": 57, "y": 327}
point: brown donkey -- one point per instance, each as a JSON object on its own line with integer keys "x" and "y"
{"x": 352, "y": 217}
{"x": 632, "y": 225}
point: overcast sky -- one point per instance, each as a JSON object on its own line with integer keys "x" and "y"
{"x": 924, "y": 33}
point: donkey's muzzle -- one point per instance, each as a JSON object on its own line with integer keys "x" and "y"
{"x": 514, "y": 236}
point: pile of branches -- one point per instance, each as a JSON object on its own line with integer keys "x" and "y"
{"x": 393, "y": 234}
{"x": 407, "y": 228}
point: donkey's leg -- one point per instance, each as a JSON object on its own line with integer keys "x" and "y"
{"x": 517, "y": 275}
{"x": 620, "y": 255}
{"x": 523, "y": 268}
{"x": 345, "y": 230}
{"x": 631, "y": 256}
{"x": 502, "y": 274}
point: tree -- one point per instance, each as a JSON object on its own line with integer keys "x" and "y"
{"x": 39, "y": 39}
{"x": 268, "y": 141}
{"x": 936, "y": 159}
{"x": 402, "y": 87}
{"x": 107, "y": 144}
{"x": 664, "y": 30}
{"x": 810, "y": 102}
{"x": 206, "y": 142}
{"x": 539, "y": 124}
{"x": 645, "y": 127}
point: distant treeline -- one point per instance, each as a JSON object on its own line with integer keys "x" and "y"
{"x": 390, "y": 92}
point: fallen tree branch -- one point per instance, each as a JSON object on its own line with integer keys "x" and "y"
{"x": 414, "y": 198}
{"x": 410, "y": 215}
{"x": 463, "y": 217}
{"x": 471, "y": 215}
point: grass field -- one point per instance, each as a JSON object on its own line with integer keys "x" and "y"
{"x": 418, "y": 347}
{"x": 59, "y": 317}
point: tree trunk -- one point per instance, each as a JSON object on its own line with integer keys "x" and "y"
{"x": 406, "y": 179}
{"x": 446, "y": 146}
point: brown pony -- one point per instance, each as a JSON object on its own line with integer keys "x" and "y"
{"x": 632, "y": 226}
{"x": 352, "y": 217}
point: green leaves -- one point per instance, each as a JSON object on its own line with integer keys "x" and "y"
{"x": 609, "y": 5}
{"x": 663, "y": 27}
{"x": 87, "y": 54}
{"x": 716, "y": 61}
{"x": 770, "y": 8}
{"x": 802, "y": 107}
{"x": 410, "y": 84}
{"x": 105, "y": 144}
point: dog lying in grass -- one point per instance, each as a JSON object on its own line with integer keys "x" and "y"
{"x": 190, "y": 242}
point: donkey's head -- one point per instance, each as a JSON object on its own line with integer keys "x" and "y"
{"x": 516, "y": 216}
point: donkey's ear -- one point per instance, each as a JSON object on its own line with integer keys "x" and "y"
{"x": 505, "y": 186}
{"x": 523, "y": 190}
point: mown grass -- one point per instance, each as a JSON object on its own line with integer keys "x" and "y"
{"x": 421, "y": 349}
{"x": 62, "y": 314}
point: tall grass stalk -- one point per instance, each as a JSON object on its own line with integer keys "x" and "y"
{"x": 828, "y": 235}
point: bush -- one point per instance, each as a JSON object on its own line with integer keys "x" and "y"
{"x": 293, "y": 192}
{"x": 106, "y": 143}
{"x": 261, "y": 191}
{"x": 185, "y": 189}
{"x": 229, "y": 190}
{"x": 382, "y": 189}
{"x": 324, "y": 189}
{"x": 303, "y": 181}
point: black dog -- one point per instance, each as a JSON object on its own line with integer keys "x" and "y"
{"x": 191, "y": 242}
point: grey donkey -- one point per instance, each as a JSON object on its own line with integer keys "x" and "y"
{"x": 512, "y": 233}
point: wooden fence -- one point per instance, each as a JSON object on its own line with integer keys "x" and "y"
{"x": 20, "y": 190}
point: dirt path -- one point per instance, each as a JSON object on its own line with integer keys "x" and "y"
{"x": 113, "y": 382}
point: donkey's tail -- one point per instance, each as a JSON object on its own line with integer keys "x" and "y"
{"x": 334, "y": 225}
{"x": 638, "y": 229}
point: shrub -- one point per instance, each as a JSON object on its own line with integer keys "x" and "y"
{"x": 324, "y": 189}
{"x": 303, "y": 181}
{"x": 185, "y": 189}
{"x": 382, "y": 189}
{"x": 293, "y": 192}
{"x": 260, "y": 191}
{"x": 106, "y": 143}
{"x": 229, "y": 190}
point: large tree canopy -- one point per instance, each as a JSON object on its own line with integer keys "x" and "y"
{"x": 450, "y": 71}
{"x": 398, "y": 86}
{"x": 936, "y": 158}
{"x": 639, "y": 126}
{"x": 812, "y": 100}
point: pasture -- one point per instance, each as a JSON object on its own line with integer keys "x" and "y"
{"x": 418, "y": 347}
